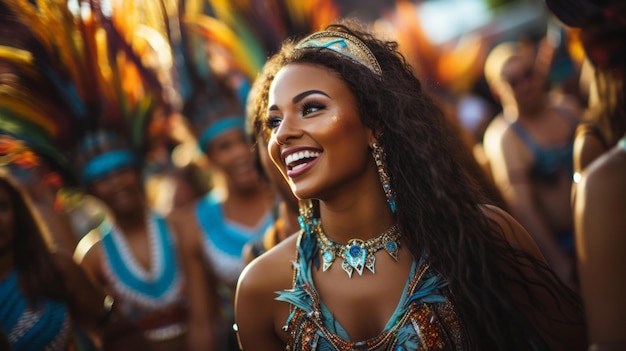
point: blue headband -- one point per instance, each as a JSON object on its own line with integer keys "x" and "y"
{"x": 107, "y": 162}
{"x": 219, "y": 127}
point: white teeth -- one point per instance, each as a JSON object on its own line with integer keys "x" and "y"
{"x": 295, "y": 168}
{"x": 296, "y": 156}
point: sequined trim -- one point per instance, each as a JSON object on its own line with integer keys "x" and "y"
{"x": 427, "y": 322}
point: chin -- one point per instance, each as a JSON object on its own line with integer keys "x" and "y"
{"x": 304, "y": 192}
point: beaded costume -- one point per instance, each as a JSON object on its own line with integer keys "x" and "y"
{"x": 46, "y": 326}
{"x": 425, "y": 318}
{"x": 152, "y": 299}
{"x": 224, "y": 240}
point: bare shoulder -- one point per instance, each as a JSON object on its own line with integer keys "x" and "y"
{"x": 605, "y": 176}
{"x": 501, "y": 140}
{"x": 272, "y": 270}
{"x": 601, "y": 196}
{"x": 259, "y": 316}
{"x": 496, "y": 129}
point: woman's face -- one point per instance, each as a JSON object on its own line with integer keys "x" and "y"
{"x": 120, "y": 190}
{"x": 318, "y": 141}
{"x": 232, "y": 154}
{"x": 7, "y": 219}
{"x": 525, "y": 83}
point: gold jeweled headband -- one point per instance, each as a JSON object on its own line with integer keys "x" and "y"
{"x": 344, "y": 44}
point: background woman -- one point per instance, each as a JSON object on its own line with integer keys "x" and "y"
{"x": 44, "y": 293}
{"x": 146, "y": 261}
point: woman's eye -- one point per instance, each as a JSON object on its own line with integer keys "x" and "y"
{"x": 272, "y": 122}
{"x": 311, "y": 107}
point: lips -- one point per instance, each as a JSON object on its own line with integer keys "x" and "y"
{"x": 298, "y": 161}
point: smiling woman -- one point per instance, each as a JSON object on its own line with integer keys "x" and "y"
{"x": 349, "y": 126}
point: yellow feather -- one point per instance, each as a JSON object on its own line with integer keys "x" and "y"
{"x": 19, "y": 56}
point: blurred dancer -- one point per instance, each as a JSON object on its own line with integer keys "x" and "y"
{"x": 529, "y": 148}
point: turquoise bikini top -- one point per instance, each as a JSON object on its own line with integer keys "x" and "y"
{"x": 548, "y": 162}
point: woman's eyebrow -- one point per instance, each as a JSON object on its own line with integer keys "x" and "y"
{"x": 299, "y": 98}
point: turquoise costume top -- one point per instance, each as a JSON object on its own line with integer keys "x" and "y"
{"x": 425, "y": 318}
{"x": 153, "y": 299}
{"x": 46, "y": 326}
{"x": 224, "y": 240}
{"x": 548, "y": 162}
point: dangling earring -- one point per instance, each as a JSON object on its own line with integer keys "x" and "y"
{"x": 379, "y": 157}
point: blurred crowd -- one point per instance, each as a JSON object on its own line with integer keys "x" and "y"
{"x": 135, "y": 186}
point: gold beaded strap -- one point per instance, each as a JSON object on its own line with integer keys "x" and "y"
{"x": 344, "y": 44}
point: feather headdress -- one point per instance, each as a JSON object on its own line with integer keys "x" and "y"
{"x": 67, "y": 71}
{"x": 223, "y": 46}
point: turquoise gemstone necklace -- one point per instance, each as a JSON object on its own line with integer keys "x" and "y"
{"x": 358, "y": 254}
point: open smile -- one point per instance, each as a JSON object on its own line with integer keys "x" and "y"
{"x": 300, "y": 161}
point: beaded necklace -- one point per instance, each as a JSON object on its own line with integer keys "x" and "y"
{"x": 357, "y": 254}
{"x": 151, "y": 289}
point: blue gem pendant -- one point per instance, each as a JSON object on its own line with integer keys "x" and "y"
{"x": 328, "y": 257}
{"x": 391, "y": 246}
{"x": 357, "y": 254}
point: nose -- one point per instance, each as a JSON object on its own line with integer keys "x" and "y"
{"x": 288, "y": 130}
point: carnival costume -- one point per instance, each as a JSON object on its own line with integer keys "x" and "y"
{"x": 224, "y": 240}
{"x": 75, "y": 73}
{"x": 45, "y": 326}
{"x": 152, "y": 299}
{"x": 424, "y": 319}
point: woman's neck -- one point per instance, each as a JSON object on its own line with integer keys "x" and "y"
{"x": 128, "y": 223}
{"x": 362, "y": 215}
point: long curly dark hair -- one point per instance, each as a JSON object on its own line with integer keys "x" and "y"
{"x": 438, "y": 205}
{"x": 39, "y": 277}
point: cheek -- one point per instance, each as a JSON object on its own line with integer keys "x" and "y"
{"x": 341, "y": 132}
{"x": 273, "y": 152}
